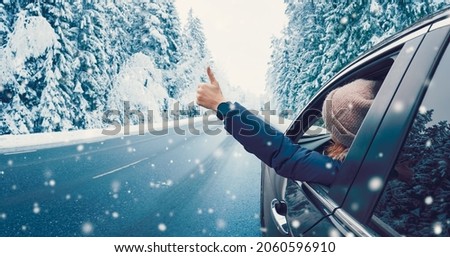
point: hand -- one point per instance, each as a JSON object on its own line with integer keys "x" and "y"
{"x": 210, "y": 95}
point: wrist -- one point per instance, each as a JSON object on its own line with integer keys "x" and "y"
{"x": 216, "y": 106}
{"x": 223, "y": 108}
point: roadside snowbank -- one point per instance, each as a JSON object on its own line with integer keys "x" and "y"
{"x": 30, "y": 142}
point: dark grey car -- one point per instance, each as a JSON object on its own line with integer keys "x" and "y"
{"x": 396, "y": 177}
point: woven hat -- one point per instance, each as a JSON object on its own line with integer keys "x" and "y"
{"x": 346, "y": 107}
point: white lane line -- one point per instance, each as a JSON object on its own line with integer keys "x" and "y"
{"x": 20, "y": 152}
{"x": 121, "y": 168}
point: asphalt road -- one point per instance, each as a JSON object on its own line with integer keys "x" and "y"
{"x": 141, "y": 185}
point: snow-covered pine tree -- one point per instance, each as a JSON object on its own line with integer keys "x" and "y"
{"x": 157, "y": 31}
{"x": 192, "y": 66}
{"x": 65, "y": 74}
{"x": 321, "y": 38}
{"x": 92, "y": 72}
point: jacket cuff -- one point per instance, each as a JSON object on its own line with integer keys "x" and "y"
{"x": 223, "y": 108}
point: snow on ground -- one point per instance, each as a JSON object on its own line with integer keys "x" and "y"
{"x": 29, "y": 142}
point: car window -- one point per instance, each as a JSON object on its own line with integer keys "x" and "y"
{"x": 416, "y": 200}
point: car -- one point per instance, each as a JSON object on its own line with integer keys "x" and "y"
{"x": 395, "y": 180}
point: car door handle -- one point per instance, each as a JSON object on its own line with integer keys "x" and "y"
{"x": 278, "y": 213}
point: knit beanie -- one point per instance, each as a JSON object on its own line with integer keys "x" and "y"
{"x": 345, "y": 108}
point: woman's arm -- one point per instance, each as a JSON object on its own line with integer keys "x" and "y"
{"x": 268, "y": 144}
{"x": 274, "y": 148}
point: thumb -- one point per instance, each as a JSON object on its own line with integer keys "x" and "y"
{"x": 211, "y": 76}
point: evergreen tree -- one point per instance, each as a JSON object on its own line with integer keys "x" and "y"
{"x": 62, "y": 64}
{"x": 92, "y": 64}
{"x": 321, "y": 38}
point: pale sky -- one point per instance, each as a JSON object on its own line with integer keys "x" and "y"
{"x": 238, "y": 34}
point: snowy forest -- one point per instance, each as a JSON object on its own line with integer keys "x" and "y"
{"x": 64, "y": 63}
{"x": 321, "y": 37}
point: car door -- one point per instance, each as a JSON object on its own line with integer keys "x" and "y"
{"x": 307, "y": 204}
{"x": 399, "y": 167}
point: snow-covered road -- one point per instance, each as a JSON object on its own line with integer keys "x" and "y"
{"x": 148, "y": 185}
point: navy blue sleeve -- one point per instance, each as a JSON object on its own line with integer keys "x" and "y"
{"x": 275, "y": 149}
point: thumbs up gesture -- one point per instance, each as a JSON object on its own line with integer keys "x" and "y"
{"x": 209, "y": 95}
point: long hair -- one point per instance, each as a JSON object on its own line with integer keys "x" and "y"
{"x": 337, "y": 151}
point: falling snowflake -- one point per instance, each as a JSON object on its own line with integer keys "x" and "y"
{"x": 437, "y": 228}
{"x": 171, "y": 214}
{"x": 80, "y": 148}
{"x": 344, "y": 20}
{"x": 87, "y": 228}
{"x": 375, "y": 184}
{"x": 199, "y": 211}
{"x": 218, "y": 152}
{"x": 295, "y": 224}
{"x": 220, "y": 224}
{"x": 36, "y": 208}
{"x": 354, "y": 206}
{"x": 52, "y": 183}
{"x": 210, "y": 210}
{"x": 162, "y": 227}
{"x": 428, "y": 200}
{"x": 399, "y": 107}
{"x": 68, "y": 196}
{"x": 167, "y": 148}
{"x": 428, "y": 143}
{"x": 170, "y": 141}
{"x": 423, "y": 110}
{"x": 13, "y": 187}
{"x": 269, "y": 143}
{"x": 197, "y": 161}
{"x": 2, "y": 172}
{"x": 171, "y": 161}
{"x": 410, "y": 49}
{"x": 153, "y": 165}
{"x": 349, "y": 234}
{"x": 10, "y": 162}
{"x": 380, "y": 155}
{"x": 24, "y": 228}
{"x": 333, "y": 233}
{"x": 3, "y": 216}
{"x": 115, "y": 215}
{"x": 329, "y": 165}
{"x": 115, "y": 186}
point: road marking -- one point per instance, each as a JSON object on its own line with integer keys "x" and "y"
{"x": 121, "y": 168}
{"x": 20, "y": 152}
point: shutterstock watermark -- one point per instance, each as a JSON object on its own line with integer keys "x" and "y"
{"x": 186, "y": 120}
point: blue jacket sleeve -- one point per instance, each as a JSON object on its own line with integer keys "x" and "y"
{"x": 275, "y": 149}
